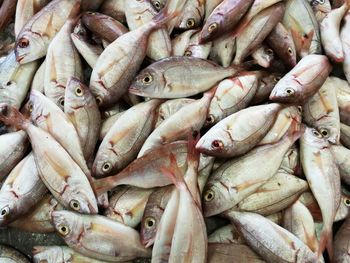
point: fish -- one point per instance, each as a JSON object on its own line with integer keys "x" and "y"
{"x": 321, "y": 8}
{"x": 195, "y": 49}
{"x": 38, "y": 220}
{"x": 15, "y": 80}
{"x": 127, "y": 205}
{"x": 225, "y": 235}
{"x": 300, "y": 20}
{"x": 192, "y": 15}
{"x": 210, "y": 6}
{"x": 223, "y": 49}
{"x": 13, "y": 147}
{"x": 341, "y": 157}
{"x": 107, "y": 124}
{"x": 33, "y": 40}
{"x": 124, "y": 140}
{"x": 25, "y": 10}
{"x": 330, "y": 33}
{"x": 112, "y": 75}
{"x": 322, "y": 174}
{"x": 238, "y": 133}
{"x": 103, "y": 26}
{"x": 38, "y": 79}
{"x": 224, "y": 18}
{"x": 343, "y": 98}
{"x": 321, "y": 112}
{"x": 345, "y": 135}
{"x": 272, "y": 242}
{"x": 115, "y": 9}
{"x": 20, "y": 191}
{"x": 61, "y": 175}
{"x": 290, "y": 161}
{"x": 256, "y": 31}
{"x": 55, "y": 254}
{"x": 263, "y": 56}
{"x": 9, "y": 254}
{"x": 303, "y": 81}
{"x": 7, "y": 10}
{"x": 232, "y": 95}
{"x": 240, "y": 177}
{"x": 267, "y": 82}
{"x": 188, "y": 119}
{"x": 178, "y": 77}
{"x": 281, "y": 41}
{"x": 81, "y": 108}
{"x": 345, "y": 40}
{"x": 341, "y": 243}
{"x": 62, "y": 62}
{"x": 99, "y": 237}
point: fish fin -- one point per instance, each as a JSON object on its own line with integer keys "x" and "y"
{"x": 326, "y": 241}
{"x": 193, "y": 154}
{"x": 12, "y": 117}
{"x": 103, "y": 185}
{"x": 173, "y": 172}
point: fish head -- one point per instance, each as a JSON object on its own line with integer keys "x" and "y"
{"x": 214, "y": 200}
{"x": 215, "y": 142}
{"x": 7, "y": 208}
{"x": 36, "y": 106}
{"x": 149, "y": 225}
{"x": 69, "y": 225}
{"x": 190, "y": 18}
{"x": 211, "y": 28}
{"x": 313, "y": 137}
{"x": 29, "y": 47}
{"x": 286, "y": 91}
{"x": 344, "y": 208}
{"x": 329, "y": 132}
{"x": 81, "y": 201}
{"x": 148, "y": 82}
{"x": 47, "y": 254}
{"x": 106, "y": 163}
{"x": 77, "y": 93}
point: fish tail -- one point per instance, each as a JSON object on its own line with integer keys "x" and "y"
{"x": 173, "y": 172}
{"x": 12, "y": 117}
{"x": 193, "y": 154}
{"x": 326, "y": 241}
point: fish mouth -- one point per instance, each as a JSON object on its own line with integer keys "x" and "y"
{"x": 134, "y": 90}
{"x": 20, "y": 58}
{"x": 147, "y": 243}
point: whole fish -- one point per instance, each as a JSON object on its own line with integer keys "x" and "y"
{"x": 15, "y": 80}
{"x": 34, "y": 38}
{"x": 61, "y": 175}
{"x": 298, "y": 220}
{"x": 272, "y": 242}
{"x": 25, "y": 10}
{"x": 99, "y": 237}
{"x": 138, "y": 13}
{"x": 13, "y": 147}
{"x": 170, "y": 107}
{"x": 263, "y": 56}
{"x": 103, "y": 26}
{"x": 192, "y": 15}
{"x": 330, "y": 33}
{"x": 267, "y": 82}
{"x": 321, "y": 112}
{"x": 232, "y": 95}
{"x": 38, "y": 220}
{"x": 300, "y": 20}
{"x": 178, "y": 77}
{"x": 281, "y": 41}
{"x": 59, "y": 254}
{"x": 240, "y": 132}
{"x": 155, "y": 207}
{"x": 218, "y": 253}
{"x": 256, "y": 31}
{"x": 226, "y": 235}
{"x": 115, "y": 9}
{"x": 62, "y": 62}
{"x": 345, "y": 135}
{"x": 188, "y": 119}
{"x": 21, "y": 190}
{"x": 341, "y": 243}
{"x": 124, "y": 140}
{"x": 323, "y": 176}
{"x": 127, "y": 205}
{"x": 344, "y": 36}
{"x": 238, "y": 178}
{"x": 223, "y": 18}
{"x": 10, "y": 255}
{"x": 113, "y": 74}
{"x": 303, "y": 81}
{"x": 82, "y": 110}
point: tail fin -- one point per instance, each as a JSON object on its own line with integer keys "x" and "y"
{"x": 193, "y": 154}
{"x": 326, "y": 241}
{"x": 173, "y": 172}
{"x": 12, "y": 117}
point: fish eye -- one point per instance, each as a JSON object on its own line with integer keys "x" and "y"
{"x": 316, "y": 133}
{"x": 213, "y": 27}
{"x": 63, "y": 230}
{"x": 157, "y": 5}
{"x": 324, "y": 132}
{"x": 217, "y": 144}
{"x": 79, "y": 92}
{"x": 9, "y": 83}
{"x": 61, "y": 102}
{"x": 106, "y": 167}
{"x": 23, "y": 42}
{"x": 190, "y": 23}
{"x": 147, "y": 79}
{"x": 300, "y": 109}
{"x": 269, "y": 51}
{"x": 290, "y": 51}
{"x": 188, "y": 53}
{"x": 276, "y": 79}
{"x": 91, "y": 13}
{"x": 209, "y": 195}
{"x": 150, "y": 222}
{"x": 5, "y": 211}
{"x": 98, "y": 100}
{"x": 74, "y": 204}
{"x": 30, "y": 107}
{"x": 210, "y": 119}
{"x": 347, "y": 202}
{"x": 290, "y": 91}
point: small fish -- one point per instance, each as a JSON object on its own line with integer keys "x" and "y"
{"x": 303, "y": 81}
{"x": 263, "y": 56}
{"x": 10, "y": 255}
{"x": 240, "y": 132}
{"x": 34, "y": 39}
{"x": 99, "y": 237}
{"x": 178, "y": 77}
{"x": 192, "y": 15}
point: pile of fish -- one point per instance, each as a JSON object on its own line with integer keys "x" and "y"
{"x": 176, "y": 130}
